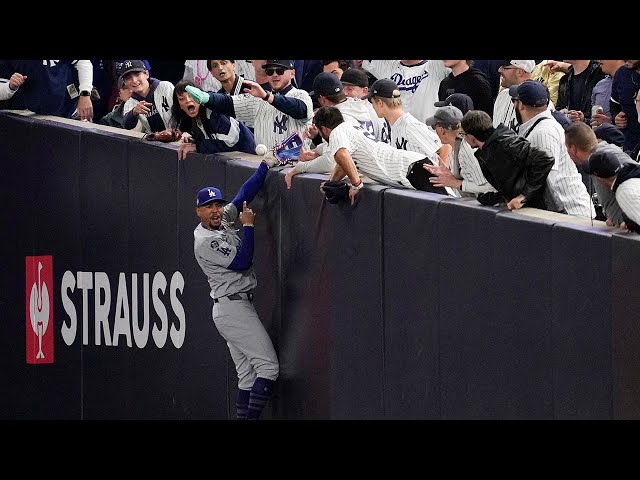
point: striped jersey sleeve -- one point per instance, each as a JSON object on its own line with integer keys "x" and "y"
{"x": 628, "y": 197}
{"x": 473, "y": 180}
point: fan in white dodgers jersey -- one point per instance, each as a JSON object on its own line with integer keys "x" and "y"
{"x": 274, "y": 115}
{"x": 417, "y": 80}
{"x": 227, "y": 261}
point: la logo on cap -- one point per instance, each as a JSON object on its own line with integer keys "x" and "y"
{"x": 212, "y": 193}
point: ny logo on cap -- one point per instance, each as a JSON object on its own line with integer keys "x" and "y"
{"x": 128, "y": 64}
{"x": 212, "y": 193}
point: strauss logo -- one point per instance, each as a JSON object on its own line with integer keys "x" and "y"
{"x": 39, "y": 310}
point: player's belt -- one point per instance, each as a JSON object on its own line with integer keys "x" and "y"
{"x": 235, "y": 296}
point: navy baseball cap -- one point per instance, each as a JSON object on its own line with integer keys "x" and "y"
{"x": 128, "y": 66}
{"x": 208, "y": 195}
{"x": 355, "y": 77}
{"x": 602, "y": 163}
{"x": 384, "y": 88}
{"x": 459, "y": 100}
{"x": 278, "y": 63}
{"x": 610, "y": 134}
{"x": 326, "y": 84}
{"x": 531, "y": 93}
{"x": 449, "y": 116}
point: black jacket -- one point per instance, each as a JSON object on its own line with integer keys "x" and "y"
{"x": 594, "y": 74}
{"x": 514, "y": 166}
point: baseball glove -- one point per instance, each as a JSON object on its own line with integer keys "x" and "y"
{"x": 166, "y": 136}
{"x": 335, "y": 191}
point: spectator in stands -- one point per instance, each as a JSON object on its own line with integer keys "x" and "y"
{"x": 337, "y": 67}
{"x": 356, "y": 85}
{"x": 601, "y": 93}
{"x": 565, "y": 190}
{"x": 225, "y": 72}
{"x": 576, "y": 87}
{"x": 209, "y": 132}
{"x": 329, "y": 91}
{"x": 544, "y": 73}
{"x": 621, "y": 179}
{"x": 418, "y": 81}
{"x": 581, "y": 143}
{"x": 512, "y": 72}
{"x": 151, "y": 99}
{"x": 466, "y": 79}
{"x": 625, "y": 85}
{"x": 52, "y": 87}
{"x": 464, "y": 172}
{"x": 273, "y": 115}
{"x": 516, "y": 169}
{"x": 377, "y": 160}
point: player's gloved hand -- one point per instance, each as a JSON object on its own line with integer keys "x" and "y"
{"x": 197, "y": 94}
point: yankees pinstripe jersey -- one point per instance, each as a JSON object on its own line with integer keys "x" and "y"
{"x": 377, "y": 160}
{"x": 215, "y": 250}
{"x": 418, "y": 84}
{"x": 270, "y": 125}
{"x": 355, "y": 112}
{"x": 628, "y": 198}
{"x": 245, "y": 69}
{"x": 504, "y": 112}
{"x": 161, "y": 95}
{"x": 197, "y": 71}
{"x": 466, "y": 167}
{"x": 409, "y": 133}
{"x": 237, "y": 87}
{"x": 565, "y": 187}
{"x": 605, "y": 196}
{"x": 219, "y": 133}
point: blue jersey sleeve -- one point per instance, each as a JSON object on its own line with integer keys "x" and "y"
{"x": 244, "y": 255}
{"x": 250, "y": 188}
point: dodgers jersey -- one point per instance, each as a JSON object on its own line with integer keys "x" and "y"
{"x": 215, "y": 250}
{"x": 377, "y": 160}
{"x": 418, "y": 84}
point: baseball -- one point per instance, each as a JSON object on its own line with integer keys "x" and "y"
{"x": 261, "y": 149}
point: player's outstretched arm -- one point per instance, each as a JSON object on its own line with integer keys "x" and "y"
{"x": 251, "y": 187}
{"x": 244, "y": 255}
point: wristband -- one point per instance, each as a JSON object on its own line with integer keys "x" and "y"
{"x": 357, "y": 186}
{"x": 266, "y": 97}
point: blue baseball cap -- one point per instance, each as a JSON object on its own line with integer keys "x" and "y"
{"x": 326, "y": 84}
{"x": 531, "y": 93}
{"x": 208, "y": 195}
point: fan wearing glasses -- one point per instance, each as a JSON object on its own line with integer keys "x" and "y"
{"x": 273, "y": 115}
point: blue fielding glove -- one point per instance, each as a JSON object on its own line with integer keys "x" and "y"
{"x": 197, "y": 94}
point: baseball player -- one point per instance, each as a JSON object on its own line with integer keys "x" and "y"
{"x": 351, "y": 145}
{"x": 417, "y": 80}
{"x": 151, "y": 99}
{"x": 51, "y": 87}
{"x": 227, "y": 261}
{"x": 274, "y": 115}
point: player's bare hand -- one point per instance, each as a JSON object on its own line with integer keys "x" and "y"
{"x": 306, "y": 155}
{"x": 621, "y": 120}
{"x": 185, "y": 149}
{"x": 16, "y": 80}
{"x": 247, "y": 216}
{"x": 143, "y": 108}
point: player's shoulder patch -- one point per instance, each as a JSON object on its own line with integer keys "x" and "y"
{"x": 214, "y": 244}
